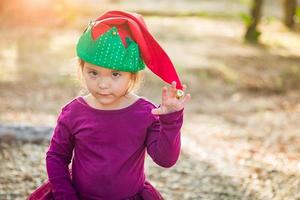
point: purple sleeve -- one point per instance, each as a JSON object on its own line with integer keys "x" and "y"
{"x": 163, "y": 138}
{"x": 58, "y": 158}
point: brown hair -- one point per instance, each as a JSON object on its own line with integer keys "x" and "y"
{"x": 137, "y": 78}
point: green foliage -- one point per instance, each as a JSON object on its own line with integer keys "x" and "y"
{"x": 252, "y": 36}
{"x": 297, "y": 15}
{"x": 298, "y": 12}
{"x": 268, "y": 19}
{"x": 246, "y": 18}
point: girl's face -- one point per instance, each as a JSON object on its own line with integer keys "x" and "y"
{"x": 107, "y": 86}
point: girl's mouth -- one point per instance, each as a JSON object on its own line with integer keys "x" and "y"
{"x": 103, "y": 94}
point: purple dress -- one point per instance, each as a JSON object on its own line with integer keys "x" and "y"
{"x": 107, "y": 149}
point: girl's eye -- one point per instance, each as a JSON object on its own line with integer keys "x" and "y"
{"x": 93, "y": 73}
{"x": 116, "y": 74}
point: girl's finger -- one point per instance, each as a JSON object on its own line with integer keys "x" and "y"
{"x": 184, "y": 87}
{"x": 186, "y": 99}
{"x": 164, "y": 96}
{"x": 172, "y": 91}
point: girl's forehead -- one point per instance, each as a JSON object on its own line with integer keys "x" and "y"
{"x": 97, "y": 68}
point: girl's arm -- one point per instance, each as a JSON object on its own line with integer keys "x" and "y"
{"x": 58, "y": 158}
{"x": 163, "y": 137}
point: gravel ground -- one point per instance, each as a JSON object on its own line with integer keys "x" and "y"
{"x": 23, "y": 169}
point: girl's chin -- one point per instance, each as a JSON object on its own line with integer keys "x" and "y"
{"x": 106, "y": 99}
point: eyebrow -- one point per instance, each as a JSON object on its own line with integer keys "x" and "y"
{"x": 91, "y": 68}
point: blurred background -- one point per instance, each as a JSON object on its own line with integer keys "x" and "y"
{"x": 239, "y": 58}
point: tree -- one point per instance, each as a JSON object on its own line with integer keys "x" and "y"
{"x": 252, "y": 34}
{"x": 290, "y": 7}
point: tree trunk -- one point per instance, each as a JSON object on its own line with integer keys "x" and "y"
{"x": 252, "y": 34}
{"x": 289, "y": 12}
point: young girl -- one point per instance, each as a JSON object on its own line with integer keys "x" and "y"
{"x": 107, "y": 132}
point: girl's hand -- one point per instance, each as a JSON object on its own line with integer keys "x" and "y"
{"x": 170, "y": 103}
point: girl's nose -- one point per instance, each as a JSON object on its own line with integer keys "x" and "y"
{"x": 103, "y": 83}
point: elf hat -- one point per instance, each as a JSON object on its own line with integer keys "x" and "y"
{"x": 120, "y": 40}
